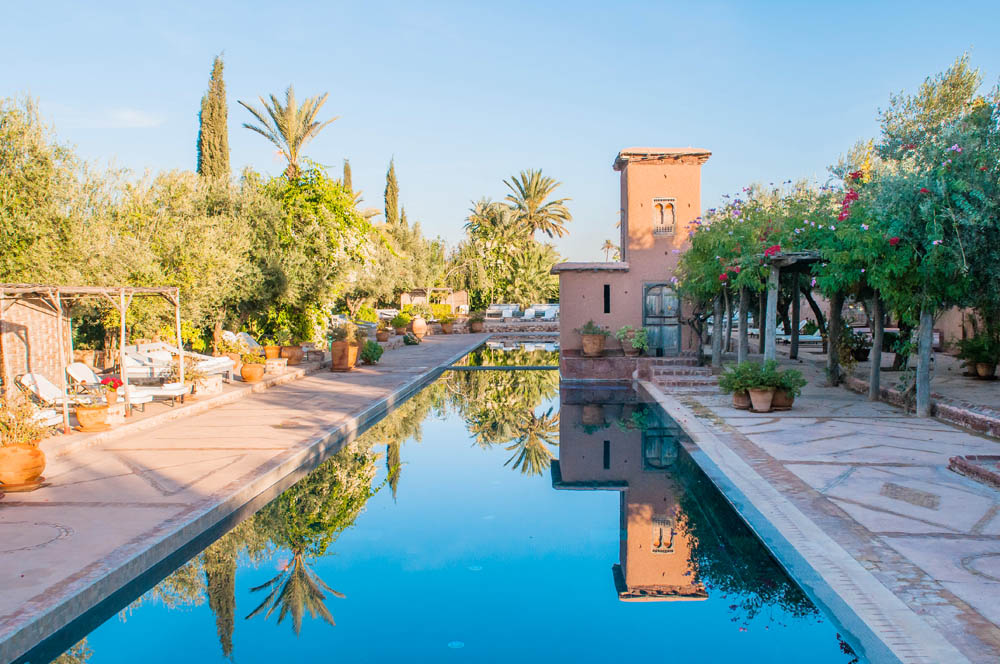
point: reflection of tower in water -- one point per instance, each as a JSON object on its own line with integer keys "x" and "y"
{"x": 631, "y": 449}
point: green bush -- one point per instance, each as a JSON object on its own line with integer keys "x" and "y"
{"x": 371, "y": 352}
{"x": 791, "y": 381}
{"x": 440, "y": 311}
{"x": 367, "y": 314}
{"x": 477, "y": 316}
{"x": 979, "y": 349}
{"x": 411, "y": 339}
{"x": 751, "y": 375}
{"x": 592, "y": 328}
{"x": 638, "y": 337}
{"x": 400, "y": 320}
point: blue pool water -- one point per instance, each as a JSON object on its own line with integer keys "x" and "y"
{"x": 446, "y": 533}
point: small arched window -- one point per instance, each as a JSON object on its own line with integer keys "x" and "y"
{"x": 664, "y": 217}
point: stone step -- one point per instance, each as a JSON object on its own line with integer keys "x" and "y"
{"x": 681, "y": 371}
{"x": 685, "y": 381}
{"x": 678, "y": 361}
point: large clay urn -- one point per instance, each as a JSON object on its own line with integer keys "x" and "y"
{"x": 252, "y": 373}
{"x": 985, "y": 369}
{"x": 293, "y": 354}
{"x": 21, "y": 467}
{"x": 92, "y": 418}
{"x": 382, "y": 335}
{"x": 272, "y": 352}
{"x": 419, "y": 327}
{"x": 343, "y": 356}
{"x": 447, "y": 328}
{"x": 593, "y": 344}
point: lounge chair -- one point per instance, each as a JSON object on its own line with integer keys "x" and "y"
{"x": 46, "y": 392}
{"x": 48, "y": 417}
{"x": 529, "y": 313}
{"x": 155, "y": 360}
{"x": 87, "y": 380}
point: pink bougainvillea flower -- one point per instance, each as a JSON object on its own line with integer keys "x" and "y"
{"x": 925, "y": 190}
{"x": 893, "y": 241}
{"x": 772, "y": 250}
{"x": 813, "y": 282}
{"x": 954, "y": 148}
{"x": 851, "y": 195}
{"x": 910, "y": 146}
{"x": 936, "y": 242}
{"x": 982, "y": 168}
{"x": 832, "y": 227}
{"x": 862, "y": 269}
{"x": 864, "y": 227}
{"x": 723, "y": 277}
{"x": 855, "y": 175}
{"x": 844, "y": 214}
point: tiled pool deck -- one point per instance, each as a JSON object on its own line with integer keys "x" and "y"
{"x": 116, "y": 509}
{"x": 859, "y": 495}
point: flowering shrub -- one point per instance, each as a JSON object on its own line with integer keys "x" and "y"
{"x": 111, "y": 383}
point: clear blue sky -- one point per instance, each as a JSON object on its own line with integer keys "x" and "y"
{"x": 464, "y": 94}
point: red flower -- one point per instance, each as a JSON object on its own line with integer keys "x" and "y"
{"x": 855, "y": 175}
{"x": 723, "y": 277}
{"x": 851, "y": 196}
{"x": 893, "y": 241}
{"x": 925, "y": 190}
{"x": 736, "y": 269}
{"x": 910, "y": 146}
{"x": 982, "y": 168}
{"x": 772, "y": 250}
{"x": 111, "y": 382}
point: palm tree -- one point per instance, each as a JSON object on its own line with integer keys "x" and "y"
{"x": 290, "y": 126}
{"x": 607, "y": 248}
{"x": 531, "y": 449}
{"x": 296, "y": 589}
{"x": 528, "y": 193}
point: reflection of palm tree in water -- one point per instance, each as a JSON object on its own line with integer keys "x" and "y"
{"x": 296, "y": 589}
{"x": 531, "y": 447}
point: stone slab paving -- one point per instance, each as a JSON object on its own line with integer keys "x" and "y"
{"x": 862, "y": 491}
{"x": 116, "y": 509}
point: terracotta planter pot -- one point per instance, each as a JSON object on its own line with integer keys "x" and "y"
{"x": 593, "y": 415}
{"x": 111, "y": 397}
{"x": 861, "y": 354}
{"x": 761, "y": 399}
{"x": 985, "y": 369}
{"x": 293, "y": 354}
{"x": 741, "y": 400}
{"x": 630, "y": 350}
{"x": 237, "y": 361}
{"x": 382, "y": 335}
{"x": 419, "y": 327}
{"x": 476, "y": 326}
{"x": 272, "y": 352}
{"x": 343, "y": 356}
{"x": 400, "y": 330}
{"x": 251, "y": 373}
{"x": 782, "y": 400}
{"x": 593, "y": 344}
{"x": 21, "y": 467}
{"x": 92, "y": 418}
{"x": 447, "y": 328}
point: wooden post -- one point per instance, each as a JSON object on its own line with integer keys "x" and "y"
{"x": 793, "y": 352}
{"x": 925, "y": 343}
{"x": 833, "y": 337}
{"x": 771, "y": 315}
{"x": 717, "y": 332}
{"x": 743, "y": 344}
{"x": 122, "y": 307}
{"x": 761, "y": 316}
{"x": 177, "y": 325}
{"x": 62, "y": 362}
{"x": 875, "y": 371}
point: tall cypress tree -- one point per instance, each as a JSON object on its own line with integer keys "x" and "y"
{"x": 213, "y": 133}
{"x": 391, "y": 195}
{"x": 348, "y": 185}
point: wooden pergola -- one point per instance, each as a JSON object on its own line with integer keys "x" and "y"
{"x": 120, "y": 297}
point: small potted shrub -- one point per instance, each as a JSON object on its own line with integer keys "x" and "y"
{"x": 272, "y": 350}
{"x": 234, "y": 350}
{"x": 447, "y": 324}
{"x": 735, "y": 380}
{"x": 411, "y": 339}
{"x": 252, "y": 369}
{"x": 382, "y": 331}
{"x": 344, "y": 347}
{"x": 92, "y": 417}
{"x": 790, "y": 384}
{"x": 763, "y": 382}
{"x": 980, "y": 353}
{"x": 594, "y": 338}
{"x": 399, "y": 322}
{"x": 110, "y": 385}
{"x": 21, "y": 462}
{"x": 289, "y": 350}
{"x": 634, "y": 340}
{"x": 857, "y": 343}
{"x": 477, "y": 321}
{"x": 371, "y": 352}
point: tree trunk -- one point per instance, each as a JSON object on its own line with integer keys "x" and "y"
{"x": 793, "y": 352}
{"x": 875, "y": 371}
{"x": 717, "y": 332}
{"x": 743, "y": 345}
{"x": 761, "y": 319}
{"x": 817, "y": 313}
{"x": 771, "y": 318}
{"x": 833, "y": 335}
{"x": 925, "y": 342}
{"x": 727, "y": 343}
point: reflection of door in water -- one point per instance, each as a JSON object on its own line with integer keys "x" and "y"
{"x": 661, "y": 311}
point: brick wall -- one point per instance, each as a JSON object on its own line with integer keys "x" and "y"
{"x": 29, "y": 340}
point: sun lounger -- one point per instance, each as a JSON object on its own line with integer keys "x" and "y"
{"x": 155, "y": 360}
{"x": 87, "y": 379}
{"x": 48, "y": 417}
{"x": 46, "y": 392}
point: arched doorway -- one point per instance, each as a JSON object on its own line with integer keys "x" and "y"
{"x": 661, "y": 316}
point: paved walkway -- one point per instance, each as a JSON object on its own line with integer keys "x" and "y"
{"x": 863, "y": 494}
{"x": 116, "y": 509}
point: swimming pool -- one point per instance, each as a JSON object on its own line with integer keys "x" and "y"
{"x": 488, "y": 518}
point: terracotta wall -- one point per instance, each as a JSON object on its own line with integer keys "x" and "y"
{"x": 581, "y": 298}
{"x": 29, "y": 340}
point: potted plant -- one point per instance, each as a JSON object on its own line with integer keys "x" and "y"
{"x": 399, "y": 322}
{"x": 477, "y": 321}
{"x": 763, "y": 382}
{"x": 193, "y": 376}
{"x": 594, "y": 338}
{"x": 857, "y": 343}
{"x": 382, "y": 331}
{"x": 344, "y": 347}
{"x": 252, "y": 369}
{"x": 790, "y": 384}
{"x": 21, "y": 462}
{"x": 234, "y": 350}
{"x": 634, "y": 340}
{"x": 447, "y": 324}
{"x": 411, "y": 339}
{"x": 110, "y": 385}
{"x": 92, "y": 417}
{"x": 735, "y": 380}
{"x": 418, "y": 322}
{"x": 980, "y": 353}
{"x": 289, "y": 350}
{"x": 371, "y": 352}
{"x": 272, "y": 350}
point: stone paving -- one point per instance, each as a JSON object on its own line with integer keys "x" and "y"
{"x": 875, "y": 481}
{"x": 114, "y": 510}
